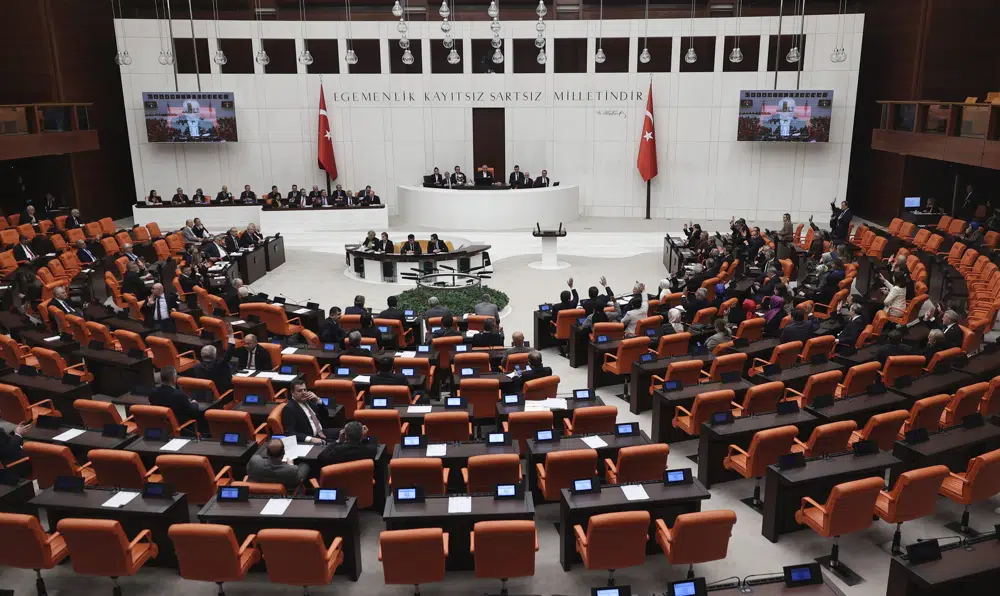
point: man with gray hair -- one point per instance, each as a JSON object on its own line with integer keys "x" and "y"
{"x": 953, "y": 335}
{"x": 486, "y": 308}
{"x": 358, "y": 308}
{"x": 854, "y": 326}
{"x": 60, "y": 300}
{"x": 935, "y": 343}
{"x": 187, "y": 233}
{"x": 354, "y": 345}
{"x": 692, "y": 306}
{"x": 84, "y": 254}
{"x": 251, "y": 356}
{"x": 158, "y": 307}
{"x": 268, "y": 465}
{"x": 435, "y": 308}
{"x": 213, "y": 369}
{"x": 167, "y": 395}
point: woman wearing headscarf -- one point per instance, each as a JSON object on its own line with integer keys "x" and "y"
{"x": 720, "y": 294}
{"x": 674, "y": 322}
{"x": 776, "y": 312}
{"x": 741, "y": 313}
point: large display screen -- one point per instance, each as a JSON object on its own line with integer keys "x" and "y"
{"x": 179, "y": 117}
{"x": 785, "y": 116}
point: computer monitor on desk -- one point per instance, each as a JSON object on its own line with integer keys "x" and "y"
{"x": 911, "y": 203}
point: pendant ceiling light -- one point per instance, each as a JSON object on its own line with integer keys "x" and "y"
{"x": 261, "y": 58}
{"x": 494, "y": 13}
{"x": 453, "y": 56}
{"x": 166, "y": 56}
{"x": 645, "y": 56}
{"x": 736, "y": 56}
{"x": 600, "y": 57}
{"x": 404, "y": 28}
{"x": 691, "y": 56}
{"x": 541, "y": 11}
{"x": 839, "y": 54}
{"x": 351, "y": 58}
{"x": 220, "y": 56}
{"x": 794, "y": 55}
{"x": 305, "y": 57}
{"x": 122, "y": 57}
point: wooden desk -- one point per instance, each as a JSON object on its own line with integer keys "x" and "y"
{"x": 796, "y": 376}
{"x": 184, "y": 342}
{"x": 714, "y": 441}
{"x": 416, "y": 419}
{"x": 80, "y": 445}
{"x": 538, "y": 451}
{"x": 117, "y": 372}
{"x": 155, "y": 515}
{"x": 930, "y": 384}
{"x": 62, "y": 395}
{"x": 433, "y": 513}
{"x": 14, "y": 497}
{"x": 252, "y": 264}
{"x": 860, "y": 408}
{"x": 665, "y": 404}
{"x": 784, "y": 489}
{"x": 38, "y": 339}
{"x": 457, "y": 457}
{"x": 274, "y": 252}
{"x": 579, "y": 337}
{"x": 596, "y": 377}
{"x": 953, "y": 448}
{"x": 959, "y": 571}
{"x": 504, "y": 411}
{"x": 302, "y": 514}
{"x": 640, "y": 398}
{"x": 543, "y": 331}
{"x": 381, "y": 472}
{"x": 312, "y": 319}
{"x": 665, "y": 502}
{"x": 218, "y": 455}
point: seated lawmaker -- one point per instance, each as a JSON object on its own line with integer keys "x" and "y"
{"x": 516, "y": 179}
{"x": 352, "y": 444}
{"x": 358, "y": 308}
{"x": 516, "y": 347}
{"x": 167, "y": 395}
{"x": 435, "y": 308}
{"x": 315, "y": 192}
{"x": 322, "y": 200}
{"x": 638, "y": 308}
{"x": 384, "y": 374}
{"x": 216, "y": 250}
{"x": 371, "y": 241}
{"x": 250, "y": 356}
{"x": 487, "y": 308}
{"x": 23, "y": 252}
{"x": 60, "y": 300}
{"x": 369, "y": 197}
{"x": 132, "y": 282}
{"x": 693, "y": 305}
{"x": 483, "y": 175}
{"x": 489, "y": 336}
{"x": 306, "y": 417}
{"x": 11, "y": 443}
{"x": 268, "y": 465}
{"x": 529, "y": 182}
{"x": 802, "y": 328}
{"x": 215, "y": 370}
{"x": 893, "y": 347}
{"x": 368, "y": 328}
{"x": 153, "y": 198}
{"x": 84, "y": 254}
{"x": 179, "y": 197}
{"x": 248, "y": 196}
{"x": 340, "y": 196}
{"x": 447, "y": 328}
{"x": 224, "y": 195}
{"x": 410, "y": 247}
{"x": 392, "y": 312}
{"x": 73, "y": 220}
{"x": 568, "y": 299}
{"x": 29, "y": 216}
{"x": 385, "y": 245}
{"x": 251, "y": 237}
{"x": 353, "y": 345}
{"x": 435, "y": 245}
{"x": 458, "y": 178}
{"x": 720, "y": 336}
{"x": 952, "y": 331}
{"x": 543, "y": 180}
{"x": 537, "y": 371}
{"x": 854, "y": 325}
{"x": 437, "y": 179}
{"x": 295, "y": 196}
{"x": 330, "y": 331}
{"x": 273, "y": 197}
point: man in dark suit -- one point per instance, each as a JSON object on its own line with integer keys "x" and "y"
{"x": 392, "y": 312}
{"x": 251, "y": 356}
{"x": 352, "y": 444}
{"x": 248, "y": 196}
{"x": 23, "y": 252}
{"x": 331, "y": 331}
{"x": 368, "y": 328}
{"x": 458, "y": 178}
{"x": 353, "y": 347}
{"x": 217, "y": 249}
{"x": 61, "y": 301}
{"x": 232, "y": 240}
{"x": 483, "y": 176}
{"x": 251, "y": 237}
{"x": 411, "y": 246}
{"x": 179, "y": 197}
{"x": 953, "y": 335}
{"x": 73, "y": 220}
{"x": 294, "y": 197}
{"x": 537, "y": 371}
{"x": 213, "y": 369}
{"x": 385, "y": 245}
{"x": 893, "y": 347}
{"x": 369, "y": 198}
{"x": 224, "y": 196}
{"x": 935, "y": 343}
{"x": 84, "y": 254}
{"x": 800, "y": 329}
{"x": 340, "y": 196}
{"x": 516, "y": 179}
{"x": 543, "y": 180}
{"x": 188, "y": 282}
{"x": 29, "y": 216}
{"x": 358, "y": 308}
{"x": 488, "y": 336}
{"x": 568, "y": 299}
{"x": 167, "y": 395}
{"x": 516, "y": 347}
{"x": 435, "y": 308}
{"x": 853, "y": 328}
{"x": 436, "y": 245}
{"x": 590, "y": 303}
{"x": 968, "y": 204}
{"x": 158, "y": 307}
{"x": 437, "y": 178}
{"x": 232, "y": 295}
{"x": 840, "y": 219}
{"x": 306, "y": 417}
{"x": 10, "y": 443}
{"x": 384, "y": 374}
{"x": 447, "y": 328}
{"x": 132, "y": 282}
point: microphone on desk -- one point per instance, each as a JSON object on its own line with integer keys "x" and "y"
{"x": 961, "y": 540}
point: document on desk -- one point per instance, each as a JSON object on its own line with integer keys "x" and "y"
{"x": 275, "y": 506}
{"x": 53, "y": 338}
{"x": 362, "y": 379}
{"x": 284, "y": 378}
{"x": 419, "y": 409}
{"x": 406, "y": 354}
{"x": 175, "y": 444}
{"x": 634, "y": 492}
{"x": 471, "y": 333}
{"x": 300, "y": 311}
{"x": 594, "y": 442}
{"x": 69, "y": 434}
{"x": 511, "y": 375}
{"x": 437, "y": 450}
{"x": 459, "y": 504}
{"x": 536, "y": 406}
{"x": 121, "y": 499}
{"x": 289, "y": 350}
{"x": 556, "y": 403}
{"x": 267, "y": 374}
{"x": 237, "y": 322}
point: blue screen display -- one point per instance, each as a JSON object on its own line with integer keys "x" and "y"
{"x": 684, "y": 589}
{"x": 406, "y": 494}
{"x": 327, "y": 494}
{"x": 585, "y": 484}
{"x": 230, "y": 493}
{"x": 801, "y": 574}
{"x": 675, "y": 476}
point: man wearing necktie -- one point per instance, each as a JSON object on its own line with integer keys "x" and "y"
{"x": 251, "y": 356}
{"x": 60, "y": 300}
{"x": 306, "y": 417}
{"x": 83, "y": 253}
{"x": 158, "y": 308}
{"x": 216, "y": 250}
{"x": 23, "y": 252}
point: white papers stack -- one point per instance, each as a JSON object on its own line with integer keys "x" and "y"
{"x": 594, "y": 442}
{"x": 418, "y": 409}
{"x": 284, "y": 378}
{"x": 275, "y": 506}
{"x": 552, "y": 403}
{"x": 293, "y": 450}
{"x": 459, "y": 504}
{"x": 65, "y": 436}
{"x": 634, "y": 492}
{"x": 53, "y": 338}
{"x": 406, "y": 354}
{"x": 471, "y": 333}
{"x": 289, "y": 350}
{"x": 437, "y": 450}
{"x": 267, "y": 374}
{"x": 300, "y": 311}
{"x": 511, "y": 375}
{"x": 362, "y": 379}
{"x": 556, "y": 403}
{"x": 536, "y": 406}
{"x": 175, "y": 444}
{"x": 237, "y": 322}
{"x": 120, "y": 499}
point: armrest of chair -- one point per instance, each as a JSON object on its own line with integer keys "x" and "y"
{"x": 249, "y": 542}
{"x": 658, "y": 379}
{"x": 225, "y": 471}
{"x": 799, "y": 443}
{"x": 661, "y": 528}
{"x": 152, "y": 471}
{"x": 185, "y": 354}
{"x": 737, "y": 407}
{"x": 567, "y": 426}
{"x": 810, "y": 501}
{"x": 610, "y": 466}
{"x": 295, "y": 319}
{"x": 792, "y": 391}
{"x": 279, "y": 393}
{"x": 679, "y": 409}
{"x": 760, "y": 360}
{"x": 40, "y": 404}
{"x": 736, "y": 449}
{"x": 702, "y": 373}
{"x": 609, "y": 357}
{"x": 337, "y": 544}
{"x": 581, "y": 536}
{"x": 261, "y": 428}
{"x": 314, "y": 483}
{"x": 404, "y": 428}
{"x": 143, "y": 535}
{"x": 324, "y": 369}
{"x": 17, "y": 462}
{"x": 538, "y": 468}
{"x": 79, "y": 366}
{"x": 957, "y": 477}
{"x": 187, "y": 424}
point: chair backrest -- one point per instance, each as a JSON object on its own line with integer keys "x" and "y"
{"x": 964, "y": 402}
{"x": 51, "y": 363}
{"x": 130, "y": 340}
{"x": 412, "y": 557}
{"x": 902, "y": 366}
{"x": 11, "y": 351}
{"x": 342, "y": 391}
{"x": 445, "y": 427}
{"x": 751, "y": 329}
{"x": 398, "y": 395}
{"x": 141, "y": 233}
{"x": 276, "y": 319}
{"x": 913, "y": 308}
{"x": 220, "y": 422}
{"x": 420, "y": 366}
{"x": 851, "y": 505}
{"x": 185, "y": 323}
{"x": 727, "y": 364}
{"x": 957, "y": 226}
{"x": 522, "y": 425}
{"x": 244, "y": 386}
{"x": 445, "y": 347}
{"x": 206, "y": 552}
{"x": 147, "y": 417}
{"x": 216, "y": 328}
{"x": 505, "y": 548}
{"x": 983, "y": 476}
{"x": 100, "y": 333}
{"x": 384, "y": 425}
{"x": 565, "y": 319}
{"x": 884, "y": 428}
{"x": 295, "y": 557}
{"x": 763, "y": 398}
{"x": 894, "y": 225}
{"x": 629, "y": 351}
{"x": 704, "y": 316}
{"x": 594, "y": 419}
{"x": 820, "y": 384}
{"x": 78, "y": 329}
{"x": 610, "y": 330}
{"x": 827, "y": 439}
{"x": 990, "y": 404}
{"x": 687, "y": 372}
{"x": 191, "y": 474}
{"x": 425, "y": 472}
{"x": 118, "y": 468}
{"x": 860, "y": 377}
{"x": 562, "y": 467}
{"x": 641, "y": 463}
{"x": 487, "y": 471}
{"x": 708, "y": 403}
{"x": 14, "y": 406}
{"x": 164, "y": 352}
{"x": 542, "y": 388}
{"x": 482, "y": 395}
{"x": 97, "y": 546}
{"x": 971, "y": 340}
{"x": 926, "y": 413}
{"x": 49, "y": 461}
{"x": 767, "y": 446}
{"x": 307, "y": 365}
{"x": 350, "y": 322}
{"x": 818, "y": 345}
{"x": 478, "y": 361}
{"x": 356, "y": 477}
{"x": 673, "y": 344}
{"x": 944, "y": 356}
{"x": 701, "y": 537}
{"x": 617, "y": 540}
{"x": 95, "y": 414}
{"x": 25, "y": 544}
{"x": 915, "y": 493}
{"x": 513, "y": 360}
{"x": 652, "y": 322}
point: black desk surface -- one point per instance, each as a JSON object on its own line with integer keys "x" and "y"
{"x": 14, "y": 497}
{"x": 537, "y": 451}
{"x": 299, "y": 508}
{"x": 665, "y": 405}
{"x": 798, "y": 374}
{"x": 215, "y": 451}
{"x": 503, "y": 411}
{"x": 39, "y": 338}
{"x": 93, "y": 499}
{"x": 860, "y": 408}
{"x": 820, "y": 468}
{"x": 184, "y": 341}
{"x": 458, "y": 452}
{"x": 779, "y": 588}
{"x": 943, "y": 442}
{"x": 90, "y": 439}
{"x": 984, "y": 366}
{"x": 641, "y": 380}
{"x": 972, "y": 571}
{"x": 931, "y": 384}
{"x": 435, "y": 508}
{"x": 862, "y": 356}
{"x": 112, "y": 357}
{"x": 45, "y": 384}
{"x": 754, "y": 424}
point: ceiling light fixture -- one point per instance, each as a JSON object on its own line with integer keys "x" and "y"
{"x": 736, "y": 56}
{"x": 305, "y": 57}
{"x": 494, "y": 12}
{"x": 645, "y": 56}
{"x": 691, "y": 56}
{"x": 122, "y": 57}
{"x": 350, "y": 58}
{"x": 600, "y": 57}
{"x": 541, "y": 11}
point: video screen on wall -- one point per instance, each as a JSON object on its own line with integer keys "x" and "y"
{"x": 190, "y": 117}
{"x": 801, "y": 116}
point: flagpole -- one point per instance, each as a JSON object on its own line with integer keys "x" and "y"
{"x": 649, "y": 190}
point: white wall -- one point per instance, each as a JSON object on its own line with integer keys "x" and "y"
{"x": 704, "y": 171}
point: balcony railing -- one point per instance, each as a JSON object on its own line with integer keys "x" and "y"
{"x": 31, "y": 130}
{"x": 966, "y": 132}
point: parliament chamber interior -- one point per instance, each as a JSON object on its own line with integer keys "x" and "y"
{"x": 552, "y": 297}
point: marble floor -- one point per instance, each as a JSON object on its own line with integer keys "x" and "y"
{"x": 624, "y": 251}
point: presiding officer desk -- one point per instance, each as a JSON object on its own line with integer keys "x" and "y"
{"x": 383, "y": 267}
{"x": 482, "y": 208}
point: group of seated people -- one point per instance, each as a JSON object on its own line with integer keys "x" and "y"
{"x": 294, "y": 198}
{"x": 412, "y": 246}
{"x": 485, "y": 177}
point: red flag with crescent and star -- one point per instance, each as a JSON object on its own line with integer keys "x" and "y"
{"x": 325, "y": 148}
{"x": 647, "y": 144}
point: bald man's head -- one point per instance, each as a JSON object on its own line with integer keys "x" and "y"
{"x": 517, "y": 339}
{"x": 275, "y": 449}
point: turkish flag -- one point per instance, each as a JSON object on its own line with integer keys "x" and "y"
{"x": 325, "y": 141}
{"x": 647, "y": 144}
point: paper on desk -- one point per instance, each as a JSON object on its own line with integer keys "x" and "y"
{"x": 275, "y": 506}
{"x": 300, "y": 311}
{"x": 267, "y": 374}
{"x": 285, "y": 378}
{"x": 71, "y": 433}
{"x": 120, "y": 499}
{"x": 406, "y": 354}
{"x": 471, "y": 333}
{"x": 437, "y": 450}
{"x": 175, "y": 444}
{"x": 538, "y": 405}
{"x": 418, "y": 409}
{"x": 459, "y": 504}
{"x": 362, "y": 379}
{"x": 594, "y": 442}
{"x": 289, "y": 350}
{"x": 556, "y": 403}
{"x": 634, "y": 492}
{"x": 511, "y": 375}
{"x": 237, "y": 322}
{"x": 53, "y": 338}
